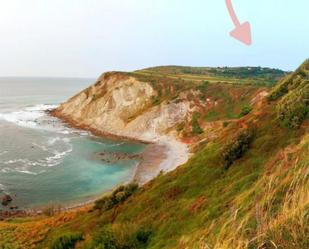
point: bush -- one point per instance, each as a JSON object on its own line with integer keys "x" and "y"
{"x": 225, "y": 124}
{"x": 119, "y": 195}
{"x": 245, "y": 111}
{"x": 196, "y": 129}
{"x": 120, "y": 237}
{"x": 143, "y": 235}
{"x": 66, "y": 241}
{"x": 236, "y": 148}
{"x": 104, "y": 239}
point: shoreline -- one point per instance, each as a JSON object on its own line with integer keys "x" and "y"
{"x": 161, "y": 154}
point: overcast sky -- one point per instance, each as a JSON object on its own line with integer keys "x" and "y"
{"x": 83, "y": 38}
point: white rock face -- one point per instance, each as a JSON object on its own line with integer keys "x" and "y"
{"x": 122, "y": 105}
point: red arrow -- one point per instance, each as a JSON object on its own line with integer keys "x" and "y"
{"x": 242, "y": 32}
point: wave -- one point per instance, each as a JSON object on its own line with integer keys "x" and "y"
{"x": 55, "y": 159}
{"x": 35, "y": 117}
{"x": 20, "y": 170}
{"x": 27, "y": 117}
{"x": 54, "y": 140}
{"x": 27, "y": 166}
{"x": 41, "y": 107}
{"x": 2, "y": 188}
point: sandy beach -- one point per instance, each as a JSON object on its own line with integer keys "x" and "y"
{"x": 163, "y": 155}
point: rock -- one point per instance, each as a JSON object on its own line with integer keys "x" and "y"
{"x": 109, "y": 105}
{"x": 6, "y": 199}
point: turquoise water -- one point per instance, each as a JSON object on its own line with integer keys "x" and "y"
{"x": 42, "y": 160}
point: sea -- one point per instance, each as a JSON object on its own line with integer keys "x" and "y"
{"x": 45, "y": 162}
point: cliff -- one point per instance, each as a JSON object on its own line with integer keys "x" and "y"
{"x": 153, "y": 102}
{"x": 122, "y": 105}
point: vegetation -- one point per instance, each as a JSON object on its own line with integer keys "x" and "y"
{"x": 291, "y": 82}
{"x": 120, "y": 238}
{"x": 294, "y": 107}
{"x": 237, "y": 147}
{"x": 66, "y": 241}
{"x": 118, "y": 196}
{"x": 245, "y": 110}
{"x": 196, "y": 129}
{"x": 253, "y": 75}
{"x": 104, "y": 239}
{"x": 293, "y": 95}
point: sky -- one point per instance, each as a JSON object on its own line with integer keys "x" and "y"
{"x": 83, "y": 38}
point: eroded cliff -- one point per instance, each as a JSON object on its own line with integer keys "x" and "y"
{"x": 122, "y": 105}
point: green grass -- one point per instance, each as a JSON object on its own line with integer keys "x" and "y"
{"x": 238, "y": 75}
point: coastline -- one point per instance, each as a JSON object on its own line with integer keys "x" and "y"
{"x": 163, "y": 153}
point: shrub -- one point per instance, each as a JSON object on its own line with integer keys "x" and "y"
{"x": 196, "y": 129}
{"x": 236, "y": 148}
{"x": 118, "y": 196}
{"x": 104, "y": 239}
{"x": 120, "y": 237}
{"x": 66, "y": 241}
{"x": 226, "y": 124}
{"x": 245, "y": 111}
{"x": 143, "y": 235}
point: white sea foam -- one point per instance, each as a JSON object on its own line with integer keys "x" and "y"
{"x": 27, "y": 117}
{"x": 23, "y": 170}
{"x": 26, "y": 166}
{"x": 35, "y": 117}
{"x": 41, "y": 107}
{"x": 54, "y": 140}
{"x": 57, "y": 158}
{"x": 6, "y": 170}
{"x": 2, "y": 187}
{"x": 54, "y": 149}
{"x": 26, "y": 172}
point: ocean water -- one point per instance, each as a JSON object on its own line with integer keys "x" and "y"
{"x": 43, "y": 161}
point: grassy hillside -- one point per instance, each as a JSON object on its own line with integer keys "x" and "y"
{"x": 218, "y": 93}
{"x": 245, "y": 187}
{"x": 237, "y": 75}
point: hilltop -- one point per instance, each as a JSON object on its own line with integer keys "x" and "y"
{"x": 245, "y": 186}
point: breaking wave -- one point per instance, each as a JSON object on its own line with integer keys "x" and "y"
{"x": 35, "y": 117}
